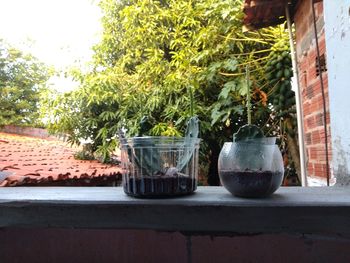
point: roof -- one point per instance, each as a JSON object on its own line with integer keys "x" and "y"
{"x": 264, "y": 13}
{"x": 46, "y": 162}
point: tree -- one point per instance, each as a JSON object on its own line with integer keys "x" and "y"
{"x": 22, "y": 77}
{"x": 154, "y": 53}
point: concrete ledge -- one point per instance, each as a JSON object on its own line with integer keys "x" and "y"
{"x": 324, "y": 211}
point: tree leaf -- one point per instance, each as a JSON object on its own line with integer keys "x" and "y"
{"x": 230, "y": 64}
{"x": 228, "y": 87}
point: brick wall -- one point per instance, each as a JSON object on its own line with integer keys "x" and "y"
{"x": 30, "y": 131}
{"x": 23, "y": 130}
{"x": 42, "y": 245}
{"x": 311, "y": 88}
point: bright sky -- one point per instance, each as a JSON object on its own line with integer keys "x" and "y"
{"x": 61, "y": 32}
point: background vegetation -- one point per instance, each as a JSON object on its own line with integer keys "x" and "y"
{"x": 153, "y": 53}
{"x": 22, "y": 81}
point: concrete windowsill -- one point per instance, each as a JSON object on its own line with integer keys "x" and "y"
{"x": 209, "y": 210}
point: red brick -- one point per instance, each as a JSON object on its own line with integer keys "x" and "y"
{"x": 311, "y": 55}
{"x": 303, "y": 94}
{"x": 311, "y": 72}
{"x": 303, "y": 79}
{"x": 322, "y": 134}
{"x": 325, "y": 81}
{"x": 330, "y": 152}
{"x": 322, "y": 47}
{"x": 309, "y": 92}
{"x": 328, "y": 118}
{"x": 303, "y": 63}
{"x": 306, "y": 130}
{"x": 319, "y": 119}
{"x": 320, "y": 170}
{"x": 304, "y": 10}
{"x": 301, "y": 30}
{"x": 308, "y": 138}
{"x": 317, "y": 88}
{"x": 301, "y": 27}
{"x": 306, "y": 108}
{"x": 315, "y": 137}
{"x": 314, "y": 107}
{"x": 320, "y": 103}
{"x": 313, "y": 153}
{"x": 310, "y": 123}
{"x": 322, "y": 154}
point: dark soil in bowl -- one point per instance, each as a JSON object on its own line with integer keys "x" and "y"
{"x": 251, "y": 183}
{"x": 161, "y": 186}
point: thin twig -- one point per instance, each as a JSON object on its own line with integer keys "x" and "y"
{"x": 246, "y": 39}
{"x": 252, "y": 52}
{"x": 235, "y": 74}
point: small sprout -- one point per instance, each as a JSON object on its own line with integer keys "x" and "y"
{"x": 247, "y": 132}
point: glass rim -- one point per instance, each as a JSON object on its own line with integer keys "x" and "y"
{"x": 258, "y": 141}
{"x": 162, "y": 141}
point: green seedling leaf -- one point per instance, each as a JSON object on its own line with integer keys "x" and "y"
{"x": 248, "y": 132}
{"x": 145, "y": 125}
{"x": 192, "y": 132}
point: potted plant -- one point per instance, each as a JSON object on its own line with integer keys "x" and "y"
{"x": 251, "y": 165}
{"x": 160, "y": 166}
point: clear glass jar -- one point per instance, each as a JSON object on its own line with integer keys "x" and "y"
{"x": 160, "y": 166}
{"x": 251, "y": 168}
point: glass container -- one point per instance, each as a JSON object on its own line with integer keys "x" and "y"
{"x": 251, "y": 168}
{"x": 160, "y": 166}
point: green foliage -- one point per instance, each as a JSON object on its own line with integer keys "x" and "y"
{"x": 165, "y": 129}
{"x": 279, "y": 73}
{"x": 151, "y": 53}
{"x": 82, "y": 119}
{"x": 22, "y": 79}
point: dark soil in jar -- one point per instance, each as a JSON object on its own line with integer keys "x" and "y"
{"x": 160, "y": 186}
{"x": 251, "y": 183}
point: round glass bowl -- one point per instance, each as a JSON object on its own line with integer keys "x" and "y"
{"x": 251, "y": 168}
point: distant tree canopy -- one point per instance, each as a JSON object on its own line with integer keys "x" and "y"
{"x": 153, "y": 53}
{"x": 22, "y": 77}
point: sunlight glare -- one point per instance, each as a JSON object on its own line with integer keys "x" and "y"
{"x": 58, "y": 32}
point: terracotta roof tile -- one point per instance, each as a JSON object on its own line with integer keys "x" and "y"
{"x": 34, "y": 161}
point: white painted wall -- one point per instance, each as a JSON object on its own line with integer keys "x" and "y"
{"x": 337, "y": 29}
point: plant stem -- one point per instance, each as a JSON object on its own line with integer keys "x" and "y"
{"x": 191, "y": 101}
{"x": 252, "y": 52}
{"x": 235, "y": 74}
{"x": 249, "y": 113}
{"x": 246, "y": 39}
